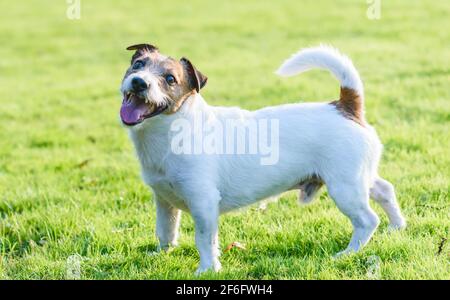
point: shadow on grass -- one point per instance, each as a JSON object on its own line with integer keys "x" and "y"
{"x": 181, "y": 250}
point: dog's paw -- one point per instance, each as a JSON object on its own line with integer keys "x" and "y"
{"x": 216, "y": 267}
{"x": 160, "y": 250}
{"x": 153, "y": 253}
{"x": 166, "y": 248}
{"x": 343, "y": 253}
{"x": 401, "y": 224}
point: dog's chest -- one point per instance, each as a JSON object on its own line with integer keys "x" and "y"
{"x": 153, "y": 151}
{"x": 157, "y": 176}
{"x": 163, "y": 187}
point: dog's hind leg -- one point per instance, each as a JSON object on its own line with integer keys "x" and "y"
{"x": 167, "y": 224}
{"x": 383, "y": 193}
{"x": 353, "y": 200}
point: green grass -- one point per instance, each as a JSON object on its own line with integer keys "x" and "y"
{"x": 59, "y": 82}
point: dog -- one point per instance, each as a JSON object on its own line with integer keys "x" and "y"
{"x": 319, "y": 144}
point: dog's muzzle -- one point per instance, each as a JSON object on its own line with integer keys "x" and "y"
{"x": 135, "y": 106}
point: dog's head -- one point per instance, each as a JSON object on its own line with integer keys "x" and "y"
{"x": 155, "y": 84}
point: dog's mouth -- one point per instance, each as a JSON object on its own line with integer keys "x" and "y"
{"x": 136, "y": 109}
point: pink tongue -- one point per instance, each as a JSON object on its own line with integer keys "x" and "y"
{"x": 132, "y": 111}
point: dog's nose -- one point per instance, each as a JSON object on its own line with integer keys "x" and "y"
{"x": 138, "y": 84}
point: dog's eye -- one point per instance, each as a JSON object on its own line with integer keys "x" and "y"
{"x": 170, "y": 79}
{"x": 138, "y": 64}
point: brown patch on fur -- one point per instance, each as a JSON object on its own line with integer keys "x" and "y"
{"x": 351, "y": 105}
{"x": 177, "y": 105}
{"x": 179, "y": 92}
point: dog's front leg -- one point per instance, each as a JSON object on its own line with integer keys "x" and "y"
{"x": 167, "y": 224}
{"x": 206, "y": 217}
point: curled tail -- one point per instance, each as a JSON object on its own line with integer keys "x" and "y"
{"x": 351, "y": 102}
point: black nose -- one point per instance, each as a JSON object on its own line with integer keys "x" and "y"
{"x": 138, "y": 84}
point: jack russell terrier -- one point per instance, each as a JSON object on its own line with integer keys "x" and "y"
{"x": 317, "y": 144}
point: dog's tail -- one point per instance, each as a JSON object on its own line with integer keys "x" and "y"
{"x": 351, "y": 100}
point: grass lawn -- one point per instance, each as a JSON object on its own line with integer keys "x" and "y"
{"x": 70, "y": 187}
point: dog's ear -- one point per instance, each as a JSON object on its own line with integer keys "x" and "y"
{"x": 196, "y": 79}
{"x": 147, "y": 47}
{"x": 140, "y": 48}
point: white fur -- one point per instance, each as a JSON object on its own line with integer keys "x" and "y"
{"x": 315, "y": 139}
{"x": 327, "y": 58}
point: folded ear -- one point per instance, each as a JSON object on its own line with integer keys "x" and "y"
{"x": 140, "y": 48}
{"x": 196, "y": 79}
{"x": 147, "y": 47}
